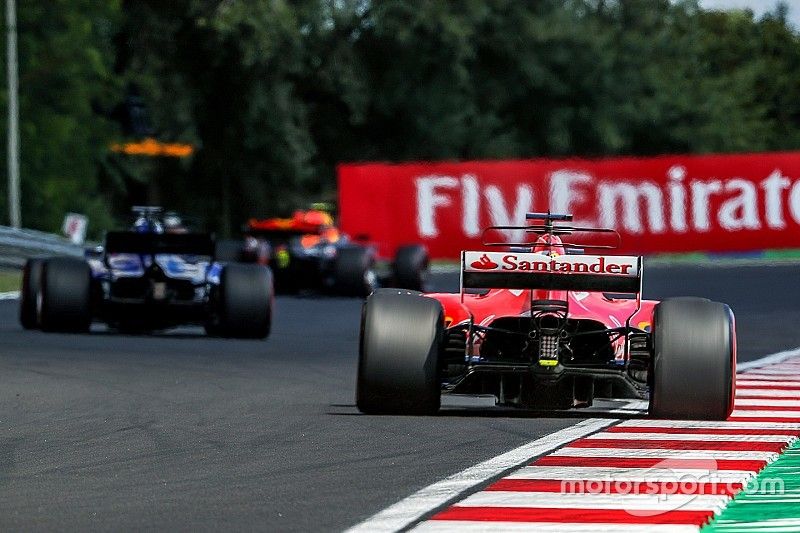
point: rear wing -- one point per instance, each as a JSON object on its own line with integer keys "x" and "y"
{"x": 527, "y": 270}
{"x": 129, "y": 242}
{"x": 282, "y": 226}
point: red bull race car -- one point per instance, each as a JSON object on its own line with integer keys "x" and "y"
{"x": 308, "y": 252}
{"x": 539, "y": 326}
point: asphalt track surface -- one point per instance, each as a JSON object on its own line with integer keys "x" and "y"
{"x": 178, "y": 431}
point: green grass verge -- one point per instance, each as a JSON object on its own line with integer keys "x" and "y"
{"x": 782, "y": 254}
{"x": 10, "y": 280}
{"x": 769, "y": 503}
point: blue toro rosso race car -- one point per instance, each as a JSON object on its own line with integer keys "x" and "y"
{"x": 153, "y": 277}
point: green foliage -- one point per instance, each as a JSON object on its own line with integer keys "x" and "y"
{"x": 275, "y": 93}
{"x": 66, "y": 58}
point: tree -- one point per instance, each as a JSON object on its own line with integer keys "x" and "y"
{"x": 66, "y": 55}
{"x": 273, "y": 94}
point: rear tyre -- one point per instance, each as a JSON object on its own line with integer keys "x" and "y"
{"x": 244, "y": 299}
{"x": 354, "y": 272}
{"x": 694, "y": 360}
{"x": 228, "y": 251}
{"x": 30, "y": 293}
{"x": 398, "y": 365}
{"x": 66, "y": 295}
{"x": 411, "y": 267}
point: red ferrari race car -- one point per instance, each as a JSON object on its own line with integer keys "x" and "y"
{"x": 308, "y": 252}
{"x": 540, "y": 326}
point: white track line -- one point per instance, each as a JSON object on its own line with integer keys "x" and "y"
{"x": 731, "y": 436}
{"x": 767, "y": 393}
{"x": 664, "y": 453}
{"x": 767, "y": 402}
{"x": 12, "y": 295}
{"x": 420, "y": 503}
{"x": 700, "y": 426}
{"x": 412, "y": 508}
{"x": 564, "y": 500}
{"x": 771, "y": 373}
{"x": 632, "y": 407}
{"x": 765, "y": 414}
{"x": 750, "y": 383}
{"x": 768, "y": 360}
{"x": 618, "y": 475}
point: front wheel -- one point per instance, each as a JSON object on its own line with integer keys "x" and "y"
{"x": 398, "y": 365}
{"x": 694, "y": 360}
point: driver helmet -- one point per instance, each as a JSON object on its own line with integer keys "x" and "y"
{"x": 173, "y": 223}
{"x": 146, "y": 225}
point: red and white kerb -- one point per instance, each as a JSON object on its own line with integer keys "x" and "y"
{"x": 642, "y": 475}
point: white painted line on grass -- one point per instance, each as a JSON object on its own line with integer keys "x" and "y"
{"x": 12, "y": 295}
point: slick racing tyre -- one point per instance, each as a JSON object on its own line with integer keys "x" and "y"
{"x": 401, "y": 337}
{"x": 694, "y": 360}
{"x": 244, "y": 299}
{"x": 66, "y": 295}
{"x": 354, "y": 271}
{"x": 30, "y": 293}
{"x": 228, "y": 251}
{"x": 411, "y": 267}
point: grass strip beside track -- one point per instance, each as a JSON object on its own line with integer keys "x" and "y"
{"x": 782, "y": 254}
{"x": 10, "y": 280}
{"x": 770, "y": 502}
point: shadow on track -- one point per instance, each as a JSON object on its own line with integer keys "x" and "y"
{"x": 502, "y": 412}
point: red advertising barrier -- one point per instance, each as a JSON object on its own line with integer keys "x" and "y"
{"x": 714, "y": 203}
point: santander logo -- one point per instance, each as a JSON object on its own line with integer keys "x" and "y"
{"x": 534, "y": 263}
{"x": 600, "y": 266}
{"x": 484, "y": 263}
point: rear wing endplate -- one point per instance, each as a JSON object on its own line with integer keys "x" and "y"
{"x": 129, "y": 242}
{"x": 527, "y": 270}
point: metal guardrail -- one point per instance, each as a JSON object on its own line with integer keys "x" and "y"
{"x": 17, "y": 245}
